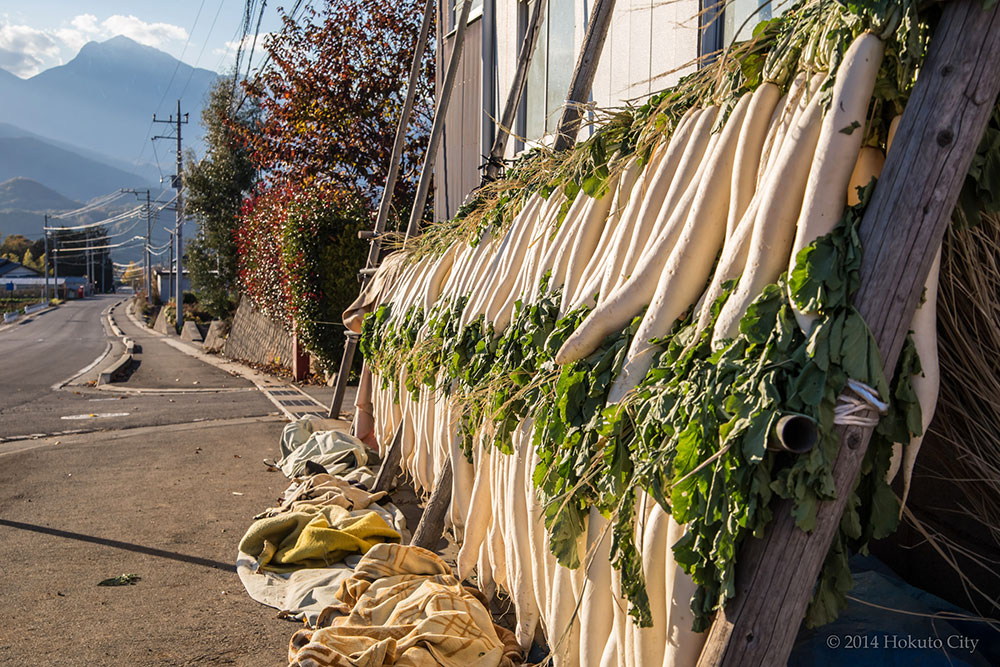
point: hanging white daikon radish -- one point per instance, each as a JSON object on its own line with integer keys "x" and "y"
{"x": 774, "y": 226}
{"x": 593, "y": 274}
{"x": 841, "y": 135}
{"x": 690, "y": 259}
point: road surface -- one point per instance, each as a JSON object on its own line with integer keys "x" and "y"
{"x": 49, "y": 350}
{"x": 161, "y": 479}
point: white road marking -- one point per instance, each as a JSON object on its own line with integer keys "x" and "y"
{"x": 97, "y": 415}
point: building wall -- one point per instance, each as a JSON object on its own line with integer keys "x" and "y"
{"x": 650, "y": 45}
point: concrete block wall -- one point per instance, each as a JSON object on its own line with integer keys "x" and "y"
{"x": 255, "y": 338}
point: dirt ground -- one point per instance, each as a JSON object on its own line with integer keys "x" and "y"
{"x": 168, "y": 504}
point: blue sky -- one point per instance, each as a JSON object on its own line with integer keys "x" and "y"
{"x": 38, "y": 34}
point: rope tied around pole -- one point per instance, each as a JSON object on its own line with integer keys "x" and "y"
{"x": 859, "y": 405}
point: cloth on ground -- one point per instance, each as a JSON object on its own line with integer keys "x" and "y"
{"x": 316, "y": 537}
{"x": 322, "y": 490}
{"x": 401, "y": 606}
{"x": 336, "y": 451}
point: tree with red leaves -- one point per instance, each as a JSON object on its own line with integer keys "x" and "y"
{"x": 330, "y": 99}
{"x": 332, "y": 94}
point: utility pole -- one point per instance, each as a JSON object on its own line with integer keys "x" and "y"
{"x": 179, "y": 224}
{"x": 45, "y": 230}
{"x": 145, "y": 255}
{"x": 55, "y": 262}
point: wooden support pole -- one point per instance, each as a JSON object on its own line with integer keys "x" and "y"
{"x": 495, "y": 159}
{"x": 583, "y": 75}
{"x": 431, "y": 526}
{"x": 390, "y": 464}
{"x": 437, "y": 127}
{"x": 902, "y": 229}
{"x": 375, "y": 248}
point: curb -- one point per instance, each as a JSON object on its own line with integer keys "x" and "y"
{"x": 123, "y": 361}
{"x": 108, "y": 373}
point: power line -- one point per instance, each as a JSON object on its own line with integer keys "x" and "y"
{"x": 204, "y": 43}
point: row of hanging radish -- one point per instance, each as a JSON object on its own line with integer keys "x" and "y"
{"x": 717, "y": 200}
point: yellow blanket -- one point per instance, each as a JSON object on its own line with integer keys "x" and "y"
{"x": 314, "y": 537}
{"x": 401, "y": 607}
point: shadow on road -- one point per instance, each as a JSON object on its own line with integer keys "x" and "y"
{"x": 127, "y": 546}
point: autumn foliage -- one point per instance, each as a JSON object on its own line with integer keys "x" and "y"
{"x": 330, "y": 98}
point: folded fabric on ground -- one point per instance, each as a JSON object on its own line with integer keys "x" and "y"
{"x": 336, "y": 451}
{"x": 321, "y": 490}
{"x": 315, "y": 537}
{"x": 401, "y": 606}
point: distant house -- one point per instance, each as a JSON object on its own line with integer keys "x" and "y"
{"x": 10, "y": 270}
{"x": 166, "y": 283}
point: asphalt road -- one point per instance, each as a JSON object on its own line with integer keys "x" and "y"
{"x": 166, "y": 387}
{"x": 38, "y": 353}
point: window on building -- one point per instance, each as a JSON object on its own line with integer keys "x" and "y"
{"x": 551, "y": 67}
{"x": 453, "y": 9}
{"x": 740, "y": 16}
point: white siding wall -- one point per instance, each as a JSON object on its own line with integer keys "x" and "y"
{"x": 650, "y": 45}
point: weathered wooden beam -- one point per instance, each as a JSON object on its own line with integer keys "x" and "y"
{"x": 495, "y": 159}
{"x": 375, "y": 248}
{"x": 437, "y": 127}
{"x": 583, "y": 74}
{"x": 901, "y": 232}
{"x": 390, "y": 464}
{"x": 431, "y": 526}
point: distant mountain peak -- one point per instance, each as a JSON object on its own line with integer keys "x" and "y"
{"x": 29, "y": 194}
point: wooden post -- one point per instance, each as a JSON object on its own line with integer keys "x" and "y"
{"x": 431, "y": 526}
{"x": 300, "y": 360}
{"x": 375, "y": 248}
{"x": 901, "y": 232}
{"x": 495, "y": 159}
{"x": 387, "y": 472}
{"x": 346, "y": 360}
{"x": 390, "y": 464}
{"x": 437, "y": 127}
{"x": 583, "y": 75}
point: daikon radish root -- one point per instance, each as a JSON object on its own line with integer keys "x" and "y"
{"x": 595, "y": 606}
{"x": 762, "y": 107}
{"x": 522, "y": 590}
{"x": 665, "y": 182}
{"x": 648, "y": 644}
{"x": 565, "y": 639}
{"x": 592, "y": 226}
{"x": 477, "y": 522}
{"x": 683, "y": 645}
{"x": 925, "y": 385}
{"x": 698, "y": 149}
{"x": 535, "y": 538}
{"x": 624, "y": 214}
{"x": 463, "y": 475}
{"x": 841, "y": 136}
{"x": 690, "y": 261}
{"x": 778, "y": 130}
{"x": 893, "y": 127}
{"x": 869, "y": 166}
{"x": 774, "y": 226}
{"x": 590, "y": 280}
{"x": 511, "y": 269}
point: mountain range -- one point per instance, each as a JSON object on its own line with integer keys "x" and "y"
{"x": 103, "y": 100}
{"x": 81, "y": 130}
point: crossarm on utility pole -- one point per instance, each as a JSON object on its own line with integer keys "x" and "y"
{"x": 901, "y": 231}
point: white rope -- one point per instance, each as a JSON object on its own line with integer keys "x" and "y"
{"x": 863, "y": 408}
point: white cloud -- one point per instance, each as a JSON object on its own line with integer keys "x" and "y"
{"x": 150, "y": 34}
{"x": 25, "y": 51}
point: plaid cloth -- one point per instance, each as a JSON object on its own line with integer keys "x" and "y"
{"x": 401, "y": 607}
